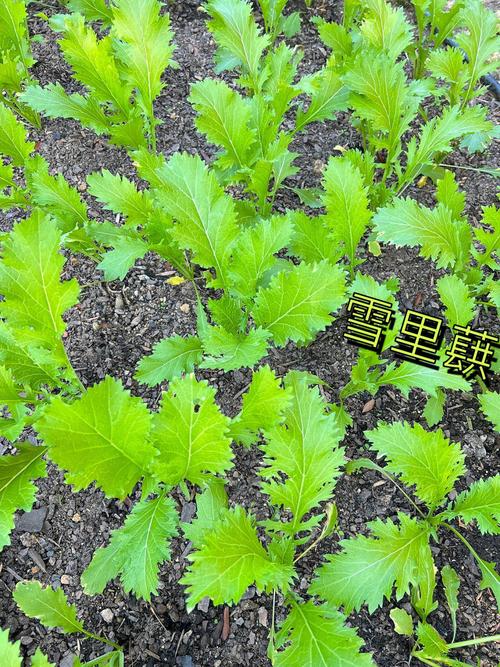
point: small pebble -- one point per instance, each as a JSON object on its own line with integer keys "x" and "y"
{"x": 107, "y": 615}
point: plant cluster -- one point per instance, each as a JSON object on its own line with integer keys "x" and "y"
{"x": 263, "y": 278}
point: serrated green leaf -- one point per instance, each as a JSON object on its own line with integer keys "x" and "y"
{"x": 254, "y": 253}
{"x": 10, "y": 652}
{"x": 13, "y": 141}
{"x": 210, "y": 505}
{"x": 479, "y": 503}
{"x": 409, "y": 376}
{"x": 328, "y": 96}
{"x": 117, "y": 262}
{"x": 230, "y": 560}
{"x": 14, "y": 36}
{"x": 146, "y": 47}
{"x": 404, "y": 222}
{"x": 263, "y": 407}
{"x": 40, "y": 660}
{"x": 171, "y": 357}
{"x": 28, "y": 365}
{"x": 53, "y": 101}
{"x": 451, "y": 583}
{"x": 224, "y": 118}
{"x": 312, "y": 240}
{"x": 368, "y": 568}
{"x": 458, "y": 303}
{"x": 47, "y": 605}
{"x": 302, "y": 457}
{"x": 448, "y": 194}
{"x": 93, "y": 10}
{"x": 403, "y": 622}
{"x": 17, "y": 490}
{"x": 490, "y": 407}
{"x": 205, "y": 216}
{"x": 228, "y": 351}
{"x": 238, "y": 36}
{"x": 434, "y": 408}
{"x": 35, "y": 299}
{"x": 100, "y": 437}
{"x": 317, "y": 635}
{"x": 297, "y": 304}
{"x": 191, "y": 434}
{"x": 424, "y": 459}
{"x": 136, "y": 550}
{"x": 433, "y": 645}
{"x": 346, "y": 203}
{"x": 120, "y": 195}
{"x": 490, "y": 240}
{"x": 11, "y": 400}
{"x": 490, "y": 578}
{"x": 386, "y": 28}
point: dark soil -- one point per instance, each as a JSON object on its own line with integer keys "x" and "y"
{"x": 116, "y": 324}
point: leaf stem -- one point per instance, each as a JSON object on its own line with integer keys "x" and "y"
{"x": 475, "y": 642}
{"x": 91, "y": 635}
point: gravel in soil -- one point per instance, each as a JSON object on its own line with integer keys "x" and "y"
{"x": 115, "y": 324}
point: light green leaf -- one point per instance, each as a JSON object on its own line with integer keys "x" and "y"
{"x": 100, "y": 437}
{"x": 13, "y": 141}
{"x": 346, "y": 203}
{"x": 490, "y": 407}
{"x": 40, "y": 660}
{"x": 17, "y": 490}
{"x": 328, "y": 96}
{"x": 238, "y": 36}
{"x": 490, "y": 578}
{"x": 135, "y": 550}
{"x": 490, "y": 240}
{"x": 451, "y": 583}
{"x": 263, "y": 407}
{"x": 317, "y": 635}
{"x": 409, "y": 376}
{"x": 224, "y": 118}
{"x": 93, "y": 10}
{"x": 11, "y": 401}
{"x": 190, "y": 433}
{"x": 53, "y": 101}
{"x": 205, "y": 216}
{"x": 312, "y": 240}
{"x": 231, "y": 559}
{"x": 302, "y": 457}
{"x": 14, "y": 37}
{"x": 458, "y": 303}
{"x": 479, "y": 503}
{"x": 10, "y": 652}
{"x": 403, "y": 622}
{"x": 386, "y": 28}
{"x": 434, "y": 408}
{"x": 449, "y": 195}
{"x": 368, "y": 568}
{"x": 146, "y": 47}
{"x": 120, "y": 195}
{"x": 297, "y": 304}
{"x": 117, "y": 262}
{"x": 404, "y": 222}
{"x": 228, "y": 351}
{"x": 210, "y": 506}
{"x": 30, "y": 273}
{"x": 433, "y": 645}
{"x": 47, "y": 605}
{"x": 254, "y": 253}
{"x": 171, "y": 357}
{"x": 424, "y": 459}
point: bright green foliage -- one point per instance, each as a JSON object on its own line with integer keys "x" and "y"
{"x": 480, "y": 503}
{"x": 263, "y": 407}
{"x": 368, "y": 568}
{"x": 422, "y": 458}
{"x": 101, "y": 438}
{"x": 451, "y": 583}
{"x": 210, "y": 506}
{"x": 17, "y": 490}
{"x": 10, "y": 652}
{"x": 403, "y": 622}
{"x": 440, "y": 236}
{"x": 190, "y": 433}
{"x": 433, "y": 645}
{"x": 39, "y": 660}
{"x": 298, "y": 302}
{"x": 490, "y": 240}
{"x": 346, "y": 204}
{"x": 120, "y": 195}
{"x": 328, "y": 96}
{"x": 13, "y": 141}
{"x": 171, "y": 357}
{"x": 490, "y": 405}
{"x": 316, "y": 634}
{"x": 409, "y": 376}
{"x": 230, "y": 559}
{"x": 386, "y": 28}
{"x": 305, "y": 449}
{"x": 136, "y": 550}
{"x": 47, "y": 605}
{"x": 93, "y": 10}
{"x": 228, "y": 350}
{"x": 238, "y": 37}
{"x": 448, "y": 65}
{"x": 205, "y": 216}
{"x": 479, "y": 41}
{"x": 455, "y": 296}
{"x": 490, "y": 579}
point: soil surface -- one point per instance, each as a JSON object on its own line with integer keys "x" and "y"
{"x": 115, "y": 324}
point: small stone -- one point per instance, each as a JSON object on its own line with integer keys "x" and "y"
{"x": 32, "y": 522}
{"x": 76, "y": 518}
{"x": 204, "y": 604}
{"x": 186, "y": 661}
{"x": 107, "y": 615}
{"x": 65, "y": 580}
{"x": 184, "y": 307}
{"x": 262, "y": 614}
{"x": 82, "y": 187}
